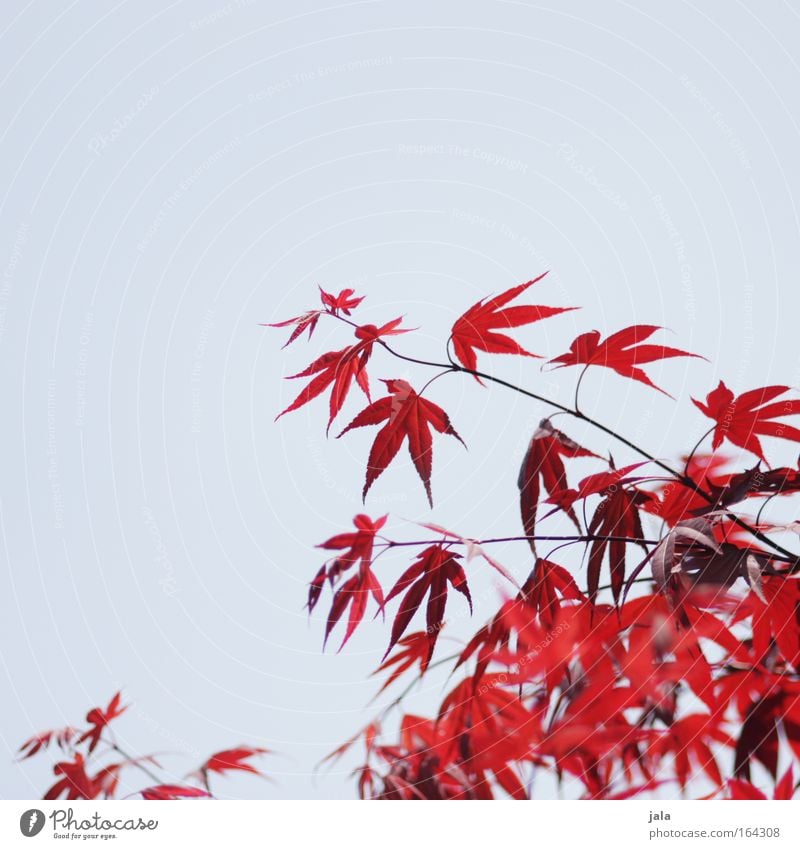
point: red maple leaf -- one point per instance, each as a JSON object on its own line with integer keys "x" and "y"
{"x": 356, "y": 546}
{"x": 61, "y": 736}
{"x": 355, "y": 593}
{"x": 548, "y": 586}
{"x": 99, "y": 719}
{"x": 617, "y": 515}
{"x": 415, "y": 649}
{"x": 784, "y": 788}
{"x": 742, "y": 419}
{"x": 691, "y": 739}
{"x": 776, "y": 619}
{"x": 345, "y": 301}
{"x": 673, "y": 501}
{"x": 473, "y": 331}
{"x": 431, "y": 572}
{"x": 338, "y": 369}
{"x": 601, "y": 482}
{"x": 107, "y": 779}
{"x": 165, "y": 792}
{"x": 543, "y": 467}
{"x": 407, "y": 416}
{"x": 76, "y": 784}
{"x": 305, "y": 321}
{"x": 229, "y": 760}
{"x": 622, "y": 352}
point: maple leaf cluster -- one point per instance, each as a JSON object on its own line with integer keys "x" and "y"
{"x": 654, "y": 645}
{"x": 666, "y": 656}
{"x": 90, "y": 762}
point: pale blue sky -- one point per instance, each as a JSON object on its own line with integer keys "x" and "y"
{"x": 175, "y": 174}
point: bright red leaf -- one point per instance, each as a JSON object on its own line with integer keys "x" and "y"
{"x": 338, "y": 369}
{"x": 166, "y": 792}
{"x": 99, "y": 719}
{"x": 692, "y": 742}
{"x": 230, "y": 760}
{"x": 344, "y": 302}
{"x": 62, "y": 737}
{"x": 742, "y": 419}
{"x": 623, "y": 352}
{"x": 75, "y": 784}
{"x": 357, "y": 547}
{"x": 415, "y": 649}
{"x": 408, "y": 416}
{"x": 474, "y": 330}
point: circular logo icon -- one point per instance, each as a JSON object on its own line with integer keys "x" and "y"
{"x": 31, "y": 822}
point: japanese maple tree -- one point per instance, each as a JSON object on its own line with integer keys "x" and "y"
{"x": 666, "y": 658}
{"x": 653, "y": 643}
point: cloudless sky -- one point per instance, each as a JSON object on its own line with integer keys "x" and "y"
{"x": 176, "y": 173}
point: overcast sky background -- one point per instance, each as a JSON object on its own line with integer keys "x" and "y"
{"x": 175, "y": 173}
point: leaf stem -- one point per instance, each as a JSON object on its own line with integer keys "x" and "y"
{"x": 135, "y": 762}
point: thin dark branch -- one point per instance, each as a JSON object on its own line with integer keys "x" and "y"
{"x": 787, "y": 555}
{"x": 694, "y": 451}
{"x": 536, "y": 538}
{"x": 783, "y": 553}
{"x": 136, "y": 762}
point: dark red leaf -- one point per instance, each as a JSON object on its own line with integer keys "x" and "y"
{"x": 430, "y": 574}
{"x": 543, "y": 468}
